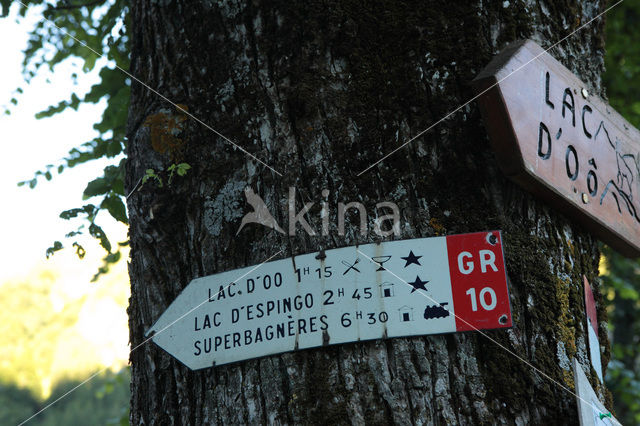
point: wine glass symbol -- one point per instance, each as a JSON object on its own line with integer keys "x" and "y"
{"x": 380, "y": 260}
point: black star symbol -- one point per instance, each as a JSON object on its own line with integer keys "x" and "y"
{"x": 418, "y": 284}
{"x": 412, "y": 258}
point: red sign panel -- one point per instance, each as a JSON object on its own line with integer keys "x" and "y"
{"x": 478, "y": 281}
{"x": 590, "y": 304}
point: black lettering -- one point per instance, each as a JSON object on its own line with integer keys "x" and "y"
{"x": 251, "y": 285}
{"x": 312, "y": 325}
{"x": 286, "y": 305}
{"x": 546, "y": 90}
{"x": 227, "y": 341}
{"x": 297, "y": 302}
{"x": 308, "y": 300}
{"x": 247, "y": 337}
{"x": 544, "y": 155}
{"x": 196, "y": 345}
{"x": 302, "y": 326}
{"x": 280, "y": 331}
{"x": 328, "y": 294}
{"x": 258, "y": 335}
{"x": 217, "y": 342}
{"x": 565, "y": 104}
{"x": 584, "y": 126}
{"x": 571, "y": 152}
{"x": 195, "y": 326}
{"x": 270, "y": 306}
{"x": 268, "y": 332}
{"x": 221, "y": 294}
{"x": 323, "y": 320}
{"x": 216, "y": 320}
{"x": 249, "y": 312}
{"x": 207, "y": 348}
{"x": 592, "y": 183}
{"x": 235, "y": 315}
{"x": 236, "y": 339}
{"x": 266, "y": 283}
{"x": 290, "y": 328}
{"x": 207, "y": 322}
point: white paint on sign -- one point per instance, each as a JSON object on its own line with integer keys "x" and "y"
{"x": 591, "y": 411}
{"x": 398, "y": 288}
{"x": 592, "y": 329}
{"x": 594, "y": 351}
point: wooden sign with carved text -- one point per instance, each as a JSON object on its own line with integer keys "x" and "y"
{"x": 562, "y": 143}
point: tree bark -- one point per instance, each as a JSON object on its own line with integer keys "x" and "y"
{"x": 319, "y": 90}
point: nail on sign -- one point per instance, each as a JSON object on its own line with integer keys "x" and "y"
{"x": 373, "y": 291}
{"x": 563, "y": 143}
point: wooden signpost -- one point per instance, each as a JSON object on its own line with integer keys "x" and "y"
{"x": 562, "y": 143}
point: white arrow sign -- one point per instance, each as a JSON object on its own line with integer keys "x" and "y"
{"x": 397, "y": 288}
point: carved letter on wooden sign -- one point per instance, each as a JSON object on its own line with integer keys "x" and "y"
{"x": 563, "y": 143}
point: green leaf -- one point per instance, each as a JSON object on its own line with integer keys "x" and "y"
{"x": 97, "y": 186}
{"x": 151, "y": 174}
{"x": 116, "y": 208}
{"x": 109, "y": 259}
{"x": 88, "y": 209}
{"x": 73, "y": 103}
{"x": 180, "y": 169}
{"x": 72, "y": 234}
{"x": 113, "y": 148}
{"x": 57, "y": 246}
{"x": 80, "y": 251}
{"x": 96, "y": 232}
{"x": 5, "y": 7}
{"x": 183, "y": 168}
{"x": 89, "y": 62}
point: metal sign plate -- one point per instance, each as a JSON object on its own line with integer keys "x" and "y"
{"x": 373, "y": 291}
{"x": 592, "y": 329}
{"x": 591, "y": 411}
{"x": 563, "y": 144}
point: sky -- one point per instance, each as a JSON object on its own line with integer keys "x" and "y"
{"x": 29, "y": 219}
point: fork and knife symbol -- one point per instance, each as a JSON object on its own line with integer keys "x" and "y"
{"x": 351, "y": 266}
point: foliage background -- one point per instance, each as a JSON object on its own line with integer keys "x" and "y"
{"x": 102, "y": 25}
{"x": 621, "y": 277}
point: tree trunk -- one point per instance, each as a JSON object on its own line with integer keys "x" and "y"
{"x": 319, "y": 90}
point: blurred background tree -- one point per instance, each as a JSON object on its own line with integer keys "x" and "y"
{"x": 102, "y": 401}
{"x": 621, "y": 276}
{"x": 102, "y": 25}
{"x": 96, "y": 33}
{"x": 51, "y": 340}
